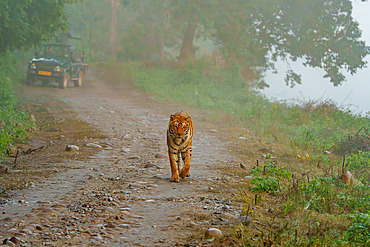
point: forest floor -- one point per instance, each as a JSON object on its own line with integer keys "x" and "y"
{"x": 115, "y": 190}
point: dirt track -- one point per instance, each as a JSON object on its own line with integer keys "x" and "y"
{"x": 120, "y": 194}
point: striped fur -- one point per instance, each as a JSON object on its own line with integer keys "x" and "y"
{"x": 179, "y": 138}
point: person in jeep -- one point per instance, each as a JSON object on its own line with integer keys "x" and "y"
{"x": 50, "y": 51}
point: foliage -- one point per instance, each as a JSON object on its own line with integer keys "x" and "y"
{"x": 359, "y": 163}
{"x": 328, "y": 195}
{"x": 352, "y": 143}
{"x": 359, "y": 231}
{"x": 13, "y": 122}
{"x": 319, "y": 211}
{"x": 25, "y": 23}
{"x": 268, "y": 178}
{"x": 254, "y": 34}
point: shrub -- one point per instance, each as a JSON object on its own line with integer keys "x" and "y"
{"x": 13, "y": 122}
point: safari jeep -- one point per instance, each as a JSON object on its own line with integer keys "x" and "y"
{"x": 58, "y": 63}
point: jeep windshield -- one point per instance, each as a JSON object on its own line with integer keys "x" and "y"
{"x": 57, "y": 50}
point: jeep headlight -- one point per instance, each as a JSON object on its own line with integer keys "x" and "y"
{"x": 33, "y": 66}
{"x": 58, "y": 69}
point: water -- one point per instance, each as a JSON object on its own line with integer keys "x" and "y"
{"x": 353, "y": 94}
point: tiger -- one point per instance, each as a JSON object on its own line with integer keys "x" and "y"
{"x": 179, "y": 139}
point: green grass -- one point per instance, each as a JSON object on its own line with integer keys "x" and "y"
{"x": 13, "y": 122}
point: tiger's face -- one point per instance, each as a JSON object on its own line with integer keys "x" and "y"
{"x": 178, "y": 126}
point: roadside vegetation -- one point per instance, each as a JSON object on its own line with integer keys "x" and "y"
{"x": 14, "y": 122}
{"x": 18, "y": 20}
{"x": 296, "y": 197}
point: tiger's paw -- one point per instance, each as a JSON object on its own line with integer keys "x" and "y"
{"x": 175, "y": 179}
{"x": 183, "y": 175}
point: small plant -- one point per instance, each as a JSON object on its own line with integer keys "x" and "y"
{"x": 267, "y": 179}
{"x": 265, "y": 184}
{"x": 359, "y": 231}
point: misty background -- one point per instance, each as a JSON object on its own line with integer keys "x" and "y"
{"x": 353, "y": 94}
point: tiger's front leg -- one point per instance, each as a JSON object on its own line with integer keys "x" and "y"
{"x": 174, "y": 162}
{"x": 186, "y": 156}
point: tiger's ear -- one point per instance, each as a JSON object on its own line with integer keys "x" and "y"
{"x": 188, "y": 119}
{"x": 172, "y": 117}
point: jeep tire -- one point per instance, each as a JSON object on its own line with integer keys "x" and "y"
{"x": 78, "y": 82}
{"x": 63, "y": 82}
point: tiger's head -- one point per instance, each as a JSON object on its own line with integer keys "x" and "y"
{"x": 179, "y": 125}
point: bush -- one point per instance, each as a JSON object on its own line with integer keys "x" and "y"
{"x": 359, "y": 231}
{"x": 13, "y": 122}
{"x": 359, "y": 165}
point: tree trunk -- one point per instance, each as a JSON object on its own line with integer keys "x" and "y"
{"x": 187, "y": 48}
{"x": 113, "y": 29}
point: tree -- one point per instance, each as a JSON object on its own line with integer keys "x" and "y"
{"x": 257, "y": 33}
{"x": 25, "y": 23}
{"x": 253, "y": 34}
{"x": 113, "y": 27}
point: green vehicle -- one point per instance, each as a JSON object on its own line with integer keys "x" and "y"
{"x": 57, "y": 63}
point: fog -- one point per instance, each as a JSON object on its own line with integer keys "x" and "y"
{"x": 353, "y": 94}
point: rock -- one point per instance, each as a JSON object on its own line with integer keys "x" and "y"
{"x": 32, "y": 118}
{"x": 52, "y": 129}
{"x": 161, "y": 156}
{"x": 347, "y": 178}
{"x": 134, "y": 185}
{"x": 125, "y": 209}
{"x": 242, "y": 138}
{"x": 94, "y": 145}
{"x": 26, "y": 231}
{"x": 3, "y": 169}
{"x": 38, "y": 227}
{"x": 213, "y": 233}
{"x": 97, "y": 237}
{"x": 72, "y": 148}
{"x": 133, "y": 158}
{"x": 125, "y": 150}
{"x": 15, "y": 240}
{"x": 151, "y": 165}
{"x": 242, "y": 166}
{"x": 8, "y": 242}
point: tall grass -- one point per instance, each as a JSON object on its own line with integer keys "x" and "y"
{"x": 13, "y": 122}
